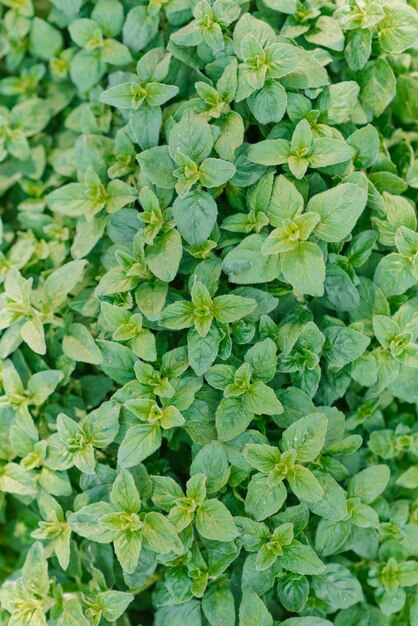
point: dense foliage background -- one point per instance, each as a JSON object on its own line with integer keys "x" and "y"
{"x": 208, "y": 313}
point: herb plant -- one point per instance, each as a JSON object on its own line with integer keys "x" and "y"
{"x": 208, "y": 312}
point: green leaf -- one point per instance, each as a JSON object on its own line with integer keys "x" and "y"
{"x": 398, "y": 30}
{"x": 158, "y": 93}
{"x": 306, "y": 436}
{"x": 232, "y": 418}
{"x": 85, "y": 522}
{"x": 114, "y": 603}
{"x": 14, "y": 479}
{"x": 358, "y": 48}
{"x": 83, "y": 30}
{"x": 343, "y": 345}
{"x": 35, "y": 571}
{"x": 79, "y": 345}
{"x": 215, "y": 172}
{"x": 203, "y": 351}
{"x": 158, "y": 165}
{"x": 109, "y": 15}
{"x": 409, "y": 478}
{"x": 268, "y": 105}
{"x": 306, "y": 621}
{"x": 228, "y": 309}
{"x": 195, "y": 216}
{"x": 369, "y": 483}
{"x": 164, "y": 256}
{"x": 178, "y": 315}
{"x": 253, "y": 611}
{"x": 214, "y": 521}
{"x": 246, "y": 265}
{"x": 261, "y": 400}
{"x": 270, "y": 152}
{"x": 285, "y": 201}
{"x": 327, "y": 33}
{"x": 218, "y": 606}
{"x": 145, "y": 124}
{"x": 301, "y": 559}
{"x": 102, "y": 425}
{"x": 231, "y": 135}
{"x": 262, "y": 456}
{"x": 339, "y": 209}
{"x": 160, "y": 535}
{"x": 332, "y": 505}
{"x": 328, "y": 152}
{"x": 331, "y": 536}
{"x": 119, "y": 96}
{"x": 139, "y": 28}
{"x": 188, "y": 612}
{"x": 191, "y": 136}
{"x": 337, "y": 101}
{"x": 86, "y": 69}
{"x": 139, "y": 443}
{"x": 42, "y": 384}
{"x": 118, "y": 361}
{"x": 212, "y": 461}
{"x": 304, "y": 268}
{"x": 293, "y": 591}
{"x": 377, "y": 86}
{"x": 45, "y": 41}
{"x": 304, "y": 484}
{"x": 127, "y": 548}
{"x": 366, "y": 143}
{"x": 264, "y": 500}
{"x": 338, "y": 587}
{"x": 395, "y": 274}
{"x": 124, "y": 494}
{"x": 262, "y": 358}
{"x": 59, "y": 284}
{"x": 150, "y": 298}
{"x": 32, "y": 332}
{"x": 72, "y": 614}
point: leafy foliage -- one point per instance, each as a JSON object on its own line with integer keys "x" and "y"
{"x": 208, "y": 312}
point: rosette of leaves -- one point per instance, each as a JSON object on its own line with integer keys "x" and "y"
{"x": 121, "y": 522}
{"x": 143, "y": 97}
{"x": 263, "y": 62}
{"x": 26, "y": 119}
{"x": 163, "y": 249}
{"x": 185, "y": 164}
{"x": 206, "y": 317}
{"x": 75, "y": 443}
{"x": 211, "y": 517}
{"x": 211, "y": 20}
{"x": 28, "y": 598}
{"x": 95, "y": 35}
{"x": 279, "y": 545}
{"x": 156, "y": 398}
{"x": 301, "y": 261}
{"x": 39, "y": 387}
{"x": 302, "y": 151}
{"x": 301, "y": 443}
{"x": 128, "y": 327}
{"x": 392, "y": 25}
{"x": 90, "y": 197}
{"x": 245, "y": 390}
{"x": 25, "y": 312}
{"x": 54, "y": 529}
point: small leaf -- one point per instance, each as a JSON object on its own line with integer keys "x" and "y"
{"x": 214, "y": 521}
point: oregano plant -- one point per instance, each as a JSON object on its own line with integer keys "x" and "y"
{"x": 208, "y": 313}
